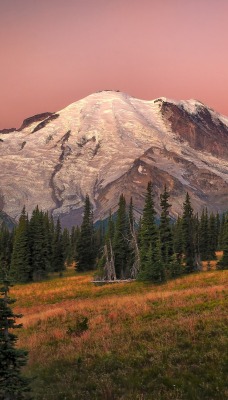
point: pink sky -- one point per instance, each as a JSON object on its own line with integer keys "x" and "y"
{"x": 55, "y": 52}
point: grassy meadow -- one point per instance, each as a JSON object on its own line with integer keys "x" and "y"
{"x": 126, "y": 340}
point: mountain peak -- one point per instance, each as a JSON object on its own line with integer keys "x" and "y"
{"x": 111, "y": 143}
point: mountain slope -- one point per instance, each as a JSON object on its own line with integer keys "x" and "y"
{"x": 109, "y": 143}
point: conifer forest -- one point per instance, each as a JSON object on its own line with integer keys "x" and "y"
{"x": 151, "y": 249}
{"x": 120, "y": 249}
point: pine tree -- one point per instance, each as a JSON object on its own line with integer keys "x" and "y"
{"x": 165, "y": 229}
{"x": 38, "y": 246}
{"x": 154, "y": 269}
{"x": 6, "y": 247}
{"x": 13, "y": 386}
{"x": 86, "y": 253}
{"x": 134, "y": 254}
{"x": 148, "y": 229}
{"x": 188, "y": 236}
{"x": 175, "y": 267}
{"x": 20, "y": 269}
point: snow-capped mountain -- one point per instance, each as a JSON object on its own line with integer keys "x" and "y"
{"x": 111, "y": 143}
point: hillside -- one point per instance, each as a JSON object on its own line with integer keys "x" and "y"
{"x": 111, "y": 143}
{"x": 7, "y": 221}
{"x": 125, "y": 341}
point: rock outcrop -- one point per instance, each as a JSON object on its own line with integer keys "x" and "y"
{"x": 111, "y": 143}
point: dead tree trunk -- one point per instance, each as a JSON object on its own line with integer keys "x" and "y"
{"x": 134, "y": 244}
{"x": 109, "y": 268}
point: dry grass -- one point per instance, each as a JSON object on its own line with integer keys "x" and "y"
{"x": 212, "y": 264}
{"x": 142, "y": 342}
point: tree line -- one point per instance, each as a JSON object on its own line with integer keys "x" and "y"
{"x": 156, "y": 250}
{"x": 153, "y": 249}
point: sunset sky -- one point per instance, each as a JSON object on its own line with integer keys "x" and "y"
{"x": 55, "y": 52}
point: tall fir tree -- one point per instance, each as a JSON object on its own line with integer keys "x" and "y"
{"x": 6, "y": 247}
{"x": 154, "y": 269}
{"x": 134, "y": 254}
{"x": 148, "y": 229}
{"x": 188, "y": 236}
{"x": 13, "y": 386}
{"x": 38, "y": 246}
{"x": 86, "y": 252}
{"x": 20, "y": 269}
{"x": 165, "y": 229}
{"x": 175, "y": 267}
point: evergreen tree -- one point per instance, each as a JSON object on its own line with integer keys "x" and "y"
{"x": 148, "y": 230}
{"x": 121, "y": 240}
{"x": 134, "y": 254}
{"x": 74, "y": 235}
{"x": 165, "y": 230}
{"x": 86, "y": 253}
{"x": 6, "y": 247}
{"x": 20, "y": 269}
{"x": 13, "y": 386}
{"x": 131, "y": 214}
{"x": 175, "y": 267}
{"x": 154, "y": 269}
{"x": 38, "y": 246}
{"x": 188, "y": 236}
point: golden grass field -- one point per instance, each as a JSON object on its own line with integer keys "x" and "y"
{"x": 143, "y": 341}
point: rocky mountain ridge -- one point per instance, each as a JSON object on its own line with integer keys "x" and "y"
{"x": 109, "y": 143}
